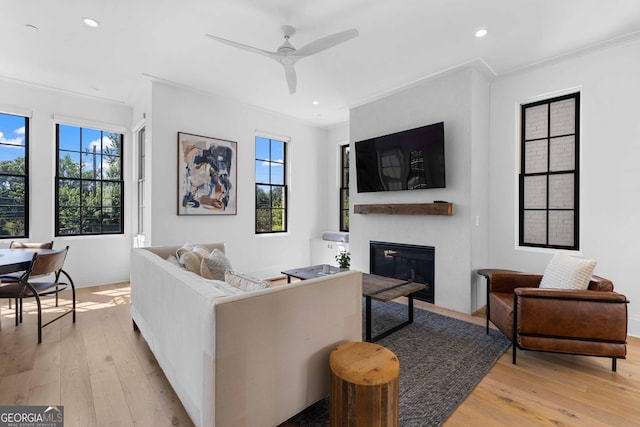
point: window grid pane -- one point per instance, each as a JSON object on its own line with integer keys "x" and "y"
{"x": 89, "y": 190}
{"x": 549, "y": 179}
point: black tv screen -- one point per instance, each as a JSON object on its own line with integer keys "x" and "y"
{"x": 408, "y": 160}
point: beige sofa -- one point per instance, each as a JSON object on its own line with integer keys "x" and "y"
{"x": 242, "y": 359}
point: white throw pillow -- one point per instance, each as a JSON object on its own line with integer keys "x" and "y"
{"x": 243, "y": 282}
{"x": 217, "y": 263}
{"x": 567, "y": 272}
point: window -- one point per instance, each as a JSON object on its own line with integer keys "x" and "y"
{"x": 344, "y": 188}
{"x": 141, "y": 172}
{"x": 14, "y": 176}
{"x": 271, "y": 188}
{"x": 89, "y": 185}
{"x": 549, "y": 173}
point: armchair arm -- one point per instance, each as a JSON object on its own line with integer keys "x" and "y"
{"x": 509, "y": 281}
{"x": 576, "y": 314}
{"x": 598, "y": 283}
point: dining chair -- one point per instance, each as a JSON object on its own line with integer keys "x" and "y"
{"x": 41, "y": 264}
{"x": 12, "y": 277}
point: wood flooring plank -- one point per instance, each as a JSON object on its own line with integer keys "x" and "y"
{"x": 46, "y": 367}
{"x": 169, "y": 399}
{"x": 108, "y": 397}
{"x": 143, "y": 407}
{"x": 44, "y": 394}
{"x": 76, "y": 394}
{"x": 14, "y": 389}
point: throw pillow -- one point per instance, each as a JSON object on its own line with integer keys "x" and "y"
{"x": 567, "y": 272}
{"x": 201, "y": 252}
{"x": 190, "y": 261}
{"x": 187, "y": 247}
{"x": 204, "y": 270}
{"x": 243, "y": 282}
{"x": 217, "y": 263}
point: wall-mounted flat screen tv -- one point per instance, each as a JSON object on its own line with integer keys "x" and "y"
{"x": 408, "y": 160}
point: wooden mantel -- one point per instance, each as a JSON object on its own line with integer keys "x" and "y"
{"x": 406, "y": 209}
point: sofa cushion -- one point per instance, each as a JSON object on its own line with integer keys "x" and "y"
{"x": 567, "y": 272}
{"x": 225, "y": 287}
{"x": 243, "y": 282}
{"x": 217, "y": 263}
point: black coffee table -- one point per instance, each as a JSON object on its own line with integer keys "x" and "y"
{"x": 306, "y": 273}
{"x": 375, "y": 287}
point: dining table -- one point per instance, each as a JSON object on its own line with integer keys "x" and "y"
{"x": 19, "y": 259}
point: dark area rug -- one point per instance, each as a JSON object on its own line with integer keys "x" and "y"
{"x": 441, "y": 361}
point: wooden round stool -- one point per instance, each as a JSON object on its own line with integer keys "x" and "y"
{"x": 364, "y": 385}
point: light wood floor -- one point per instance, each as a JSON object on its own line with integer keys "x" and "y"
{"x": 104, "y": 374}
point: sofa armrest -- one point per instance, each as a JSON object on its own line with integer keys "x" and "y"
{"x": 579, "y": 314}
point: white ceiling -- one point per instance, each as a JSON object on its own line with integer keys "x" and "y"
{"x": 400, "y": 42}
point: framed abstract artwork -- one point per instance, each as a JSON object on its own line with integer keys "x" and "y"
{"x": 206, "y": 175}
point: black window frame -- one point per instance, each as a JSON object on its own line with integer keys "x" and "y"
{"x": 95, "y": 180}
{"x": 344, "y": 207}
{"x": 25, "y": 177}
{"x": 576, "y": 174}
{"x": 272, "y": 186}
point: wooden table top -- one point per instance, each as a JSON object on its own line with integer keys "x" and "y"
{"x": 385, "y": 289}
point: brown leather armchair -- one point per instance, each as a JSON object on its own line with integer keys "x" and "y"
{"x": 590, "y": 322}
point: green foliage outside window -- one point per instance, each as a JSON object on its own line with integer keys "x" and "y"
{"x": 12, "y": 198}
{"x": 270, "y": 212}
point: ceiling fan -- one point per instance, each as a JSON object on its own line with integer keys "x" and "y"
{"x": 287, "y": 55}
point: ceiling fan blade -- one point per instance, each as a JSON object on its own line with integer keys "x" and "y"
{"x": 326, "y": 42}
{"x": 290, "y": 75}
{"x": 244, "y": 46}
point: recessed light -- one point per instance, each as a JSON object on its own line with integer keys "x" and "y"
{"x": 481, "y": 32}
{"x": 90, "y": 22}
{"x": 315, "y": 103}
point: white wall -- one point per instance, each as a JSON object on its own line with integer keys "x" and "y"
{"x": 610, "y": 170}
{"x": 181, "y": 110}
{"x": 458, "y": 99}
{"x": 92, "y": 259}
{"x": 337, "y": 136}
